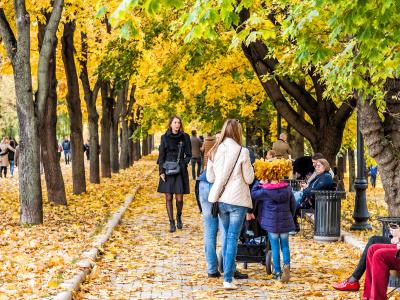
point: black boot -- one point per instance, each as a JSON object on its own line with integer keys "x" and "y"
{"x": 179, "y": 221}
{"x": 172, "y": 227}
{"x": 296, "y": 224}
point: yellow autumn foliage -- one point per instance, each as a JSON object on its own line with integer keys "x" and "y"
{"x": 272, "y": 170}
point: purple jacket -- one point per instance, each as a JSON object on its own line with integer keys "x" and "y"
{"x": 276, "y": 208}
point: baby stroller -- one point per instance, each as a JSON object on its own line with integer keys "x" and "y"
{"x": 254, "y": 247}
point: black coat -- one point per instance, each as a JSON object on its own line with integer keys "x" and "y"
{"x": 168, "y": 151}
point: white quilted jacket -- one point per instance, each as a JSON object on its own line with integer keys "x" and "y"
{"x": 237, "y": 190}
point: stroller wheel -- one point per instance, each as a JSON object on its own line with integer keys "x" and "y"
{"x": 269, "y": 264}
{"x": 220, "y": 262}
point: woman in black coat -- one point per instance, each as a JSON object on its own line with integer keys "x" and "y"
{"x": 174, "y": 139}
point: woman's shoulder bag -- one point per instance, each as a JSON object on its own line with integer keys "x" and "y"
{"x": 172, "y": 167}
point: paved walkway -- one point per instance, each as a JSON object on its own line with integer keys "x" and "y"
{"x": 144, "y": 261}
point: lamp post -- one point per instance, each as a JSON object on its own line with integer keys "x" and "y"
{"x": 360, "y": 214}
{"x": 278, "y": 124}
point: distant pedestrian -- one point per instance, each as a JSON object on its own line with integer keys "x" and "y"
{"x": 374, "y": 173}
{"x": 174, "y": 142}
{"x": 281, "y": 147}
{"x": 271, "y": 155}
{"x": 196, "y": 154}
{"x": 66, "y": 144}
{"x": 59, "y": 150}
{"x": 87, "y": 149}
{"x": 5, "y": 148}
{"x": 202, "y": 155}
{"x": 207, "y": 145}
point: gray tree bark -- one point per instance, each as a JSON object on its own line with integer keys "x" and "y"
{"x": 115, "y": 115}
{"x": 74, "y": 109}
{"x": 93, "y": 117}
{"x": 47, "y": 128}
{"x": 126, "y": 142}
{"x": 105, "y": 130}
{"x": 145, "y": 145}
{"x": 18, "y": 51}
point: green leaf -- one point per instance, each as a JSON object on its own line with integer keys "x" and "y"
{"x": 125, "y": 30}
{"x": 173, "y": 3}
{"x": 100, "y": 13}
{"x": 366, "y": 35}
{"x": 152, "y": 6}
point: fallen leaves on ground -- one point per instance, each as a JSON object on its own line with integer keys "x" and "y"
{"x": 34, "y": 260}
{"x": 143, "y": 260}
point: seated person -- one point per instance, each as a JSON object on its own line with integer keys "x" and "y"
{"x": 314, "y": 159}
{"x": 351, "y": 284}
{"x": 381, "y": 258}
{"x": 271, "y": 155}
{"x": 323, "y": 181}
{"x": 302, "y": 167}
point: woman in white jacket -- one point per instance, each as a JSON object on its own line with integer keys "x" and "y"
{"x": 225, "y": 158}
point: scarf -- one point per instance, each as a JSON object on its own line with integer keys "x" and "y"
{"x": 173, "y": 140}
{"x": 272, "y": 185}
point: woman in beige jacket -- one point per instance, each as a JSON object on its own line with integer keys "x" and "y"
{"x": 4, "y": 163}
{"x": 230, "y": 170}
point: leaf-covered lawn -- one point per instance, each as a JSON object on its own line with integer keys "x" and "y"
{"x": 35, "y": 260}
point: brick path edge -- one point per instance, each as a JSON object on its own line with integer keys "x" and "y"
{"x": 73, "y": 285}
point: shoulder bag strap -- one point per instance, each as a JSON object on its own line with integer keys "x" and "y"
{"x": 179, "y": 152}
{"x": 223, "y": 188}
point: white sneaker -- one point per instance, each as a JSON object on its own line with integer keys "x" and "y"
{"x": 229, "y": 286}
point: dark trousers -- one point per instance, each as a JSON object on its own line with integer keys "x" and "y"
{"x": 373, "y": 179}
{"x": 193, "y": 161}
{"x": 362, "y": 264}
{"x": 5, "y": 171}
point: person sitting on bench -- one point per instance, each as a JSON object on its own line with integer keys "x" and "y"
{"x": 352, "y": 284}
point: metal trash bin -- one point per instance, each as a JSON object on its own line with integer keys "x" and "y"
{"x": 393, "y": 281}
{"x": 295, "y": 184}
{"x": 327, "y": 215}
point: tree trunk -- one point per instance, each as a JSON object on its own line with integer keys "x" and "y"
{"x": 340, "y": 170}
{"x": 30, "y": 191}
{"x": 253, "y": 141}
{"x": 352, "y": 170}
{"x": 124, "y": 158}
{"x": 298, "y": 148}
{"x": 105, "y": 132}
{"x": 130, "y": 142}
{"x": 137, "y": 154}
{"x": 114, "y": 144}
{"x": 93, "y": 117}
{"x": 145, "y": 145}
{"x": 74, "y": 109}
{"x": 47, "y": 129}
{"x": 380, "y": 138}
{"x": 344, "y": 162}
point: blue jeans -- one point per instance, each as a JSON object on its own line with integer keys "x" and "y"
{"x": 210, "y": 228}
{"x": 66, "y": 153}
{"x": 373, "y": 179}
{"x": 232, "y": 217}
{"x": 194, "y": 160}
{"x": 275, "y": 247}
{"x": 12, "y": 163}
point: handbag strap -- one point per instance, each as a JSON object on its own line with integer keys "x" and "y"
{"x": 223, "y": 187}
{"x": 179, "y": 152}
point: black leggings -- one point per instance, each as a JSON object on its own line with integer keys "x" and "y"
{"x": 5, "y": 171}
{"x": 362, "y": 264}
{"x": 170, "y": 208}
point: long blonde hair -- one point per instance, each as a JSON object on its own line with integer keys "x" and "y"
{"x": 231, "y": 129}
{"x": 5, "y": 140}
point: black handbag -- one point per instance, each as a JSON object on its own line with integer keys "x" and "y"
{"x": 172, "y": 167}
{"x": 214, "y": 208}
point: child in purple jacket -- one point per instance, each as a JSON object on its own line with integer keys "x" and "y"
{"x": 277, "y": 208}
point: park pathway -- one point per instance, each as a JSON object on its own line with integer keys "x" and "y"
{"x": 143, "y": 260}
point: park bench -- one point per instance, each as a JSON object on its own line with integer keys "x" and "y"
{"x": 328, "y": 208}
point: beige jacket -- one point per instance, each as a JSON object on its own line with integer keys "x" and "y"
{"x": 207, "y": 145}
{"x": 282, "y": 149}
{"x": 237, "y": 190}
{"x": 4, "y": 158}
